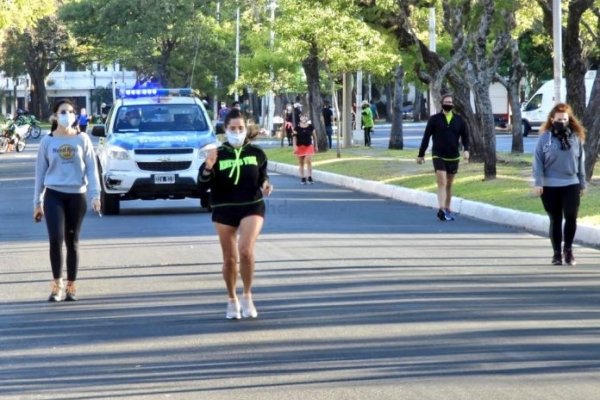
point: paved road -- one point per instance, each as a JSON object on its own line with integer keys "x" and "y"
{"x": 359, "y": 298}
{"x": 413, "y": 134}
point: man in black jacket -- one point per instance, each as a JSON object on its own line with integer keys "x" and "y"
{"x": 446, "y": 130}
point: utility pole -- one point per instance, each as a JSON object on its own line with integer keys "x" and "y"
{"x": 432, "y": 47}
{"x": 271, "y": 96}
{"x": 237, "y": 50}
{"x": 358, "y": 102}
{"x": 557, "y": 38}
{"x": 215, "y": 97}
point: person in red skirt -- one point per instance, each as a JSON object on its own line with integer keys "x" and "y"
{"x": 305, "y": 145}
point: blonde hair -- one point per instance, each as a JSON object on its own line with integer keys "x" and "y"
{"x": 574, "y": 123}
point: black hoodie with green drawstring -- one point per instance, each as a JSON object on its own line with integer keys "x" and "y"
{"x": 237, "y": 176}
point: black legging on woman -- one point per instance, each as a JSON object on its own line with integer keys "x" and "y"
{"x": 64, "y": 214}
{"x": 558, "y": 202}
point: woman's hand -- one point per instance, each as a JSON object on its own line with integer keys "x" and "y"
{"x": 97, "y": 206}
{"x": 420, "y": 160}
{"x": 266, "y": 188}
{"x": 538, "y": 190}
{"x": 38, "y": 214}
{"x": 211, "y": 158}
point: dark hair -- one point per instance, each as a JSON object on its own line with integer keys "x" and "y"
{"x": 446, "y": 95}
{"x": 251, "y": 130}
{"x": 55, "y": 108}
{"x": 574, "y": 123}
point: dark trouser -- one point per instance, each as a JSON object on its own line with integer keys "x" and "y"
{"x": 368, "y": 135}
{"x": 558, "y": 202}
{"x": 64, "y": 214}
{"x": 329, "y": 132}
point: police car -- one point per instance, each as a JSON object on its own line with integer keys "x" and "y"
{"x": 152, "y": 146}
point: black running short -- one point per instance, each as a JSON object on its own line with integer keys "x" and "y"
{"x": 233, "y": 215}
{"x": 451, "y": 167}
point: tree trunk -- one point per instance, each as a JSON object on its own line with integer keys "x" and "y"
{"x": 418, "y": 108}
{"x": 483, "y": 107}
{"x": 515, "y": 124}
{"x": 389, "y": 103}
{"x": 39, "y": 98}
{"x": 396, "y": 136}
{"x": 315, "y": 100}
{"x": 592, "y": 123}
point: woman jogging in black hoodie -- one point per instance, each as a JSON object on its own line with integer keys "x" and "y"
{"x": 236, "y": 174}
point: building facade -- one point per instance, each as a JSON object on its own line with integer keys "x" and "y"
{"x": 88, "y": 88}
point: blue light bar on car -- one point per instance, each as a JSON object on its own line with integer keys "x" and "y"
{"x": 131, "y": 93}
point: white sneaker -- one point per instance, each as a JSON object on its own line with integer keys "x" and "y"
{"x": 248, "y": 309}
{"x": 58, "y": 291}
{"x": 233, "y": 310}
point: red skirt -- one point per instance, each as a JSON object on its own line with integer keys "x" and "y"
{"x": 302, "y": 151}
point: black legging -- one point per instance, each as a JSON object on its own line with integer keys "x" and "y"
{"x": 368, "y": 136}
{"x": 558, "y": 202}
{"x": 64, "y": 214}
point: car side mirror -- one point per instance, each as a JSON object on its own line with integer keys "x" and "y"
{"x": 99, "y": 131}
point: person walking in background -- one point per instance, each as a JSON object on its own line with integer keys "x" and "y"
{"x": 297, "y": 111}
{"x": 374, "y": 110}
{"x": 305, "y": 145}
{"x": 559, "y": 175}
{"x": 288, "y": 123}
{"x": 447, "y": 130}
{"x": 367, "y": 122}
{"x": 328, "y": 121}
{"x": 83, "y": 120}
{"x": 236, "y": 174}
{"x": 65, "y": 170}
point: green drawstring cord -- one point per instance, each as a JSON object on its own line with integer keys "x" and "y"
{"x": 236, "y": 166}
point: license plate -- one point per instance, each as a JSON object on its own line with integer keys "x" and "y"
{"x": 164, "y": 179}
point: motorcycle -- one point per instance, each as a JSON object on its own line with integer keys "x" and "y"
{"x": 13, "y": 137}
{"x": 34, "y": 129}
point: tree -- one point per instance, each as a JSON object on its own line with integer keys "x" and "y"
{"x": 142, "y": 35}
{"x": 575, "y": 67}
{"x": 19, "y": 14}
{"x": 37, "y": 50}
{"x": 321, "y": 36}
{"x": 396, "y": 136}
{"x": 479, "y": 36}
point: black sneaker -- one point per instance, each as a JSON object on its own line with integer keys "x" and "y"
{"x": 449, "y": 215}
{"x": 303, "y": 181}
{"x": 556, "y": 259}
{"x": 310, "y": 180}
{"x": 569, "y": 259}
{"x": 441, "y": 215}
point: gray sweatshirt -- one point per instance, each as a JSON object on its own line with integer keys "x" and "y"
{"x": 555, "y": 167}
{"x": 66, "y": 164}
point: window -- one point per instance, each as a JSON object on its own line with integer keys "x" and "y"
{"x": 160, "y": 118}
{"x": 534, "y": 103}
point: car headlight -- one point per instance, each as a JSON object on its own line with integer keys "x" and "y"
{"x": 118, "y": 153}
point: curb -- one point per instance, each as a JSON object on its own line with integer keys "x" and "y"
{"x": 533, "y": 223}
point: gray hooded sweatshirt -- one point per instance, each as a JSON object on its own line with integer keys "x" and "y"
{"x": 553, "y": 166}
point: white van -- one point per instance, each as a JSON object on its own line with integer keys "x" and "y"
{"x": 536, "y": 110}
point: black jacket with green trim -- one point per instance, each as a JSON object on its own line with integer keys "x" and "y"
{"x": 445, "y": 136}
{"x": 237, "y": 176}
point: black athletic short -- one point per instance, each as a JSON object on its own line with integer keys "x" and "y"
{"x": 451, "y": 167}
{"x": 233, "y": 215}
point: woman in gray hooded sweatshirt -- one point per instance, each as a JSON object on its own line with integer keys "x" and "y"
{"x": 559, "y": 174}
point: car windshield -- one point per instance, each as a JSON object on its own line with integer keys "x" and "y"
{"x": 160, "y": 118}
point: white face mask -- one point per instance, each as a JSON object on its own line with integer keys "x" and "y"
{"x": 66, "y": 120}
{"x": 235, "y": 139}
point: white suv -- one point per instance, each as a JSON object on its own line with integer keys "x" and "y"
{"x": 152, "y": 146}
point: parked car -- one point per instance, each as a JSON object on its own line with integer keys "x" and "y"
{"x": 407, "y": 110}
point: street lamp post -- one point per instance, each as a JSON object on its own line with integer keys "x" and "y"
{"x": 237, "y": 50}
{"x": 557, "y": 39}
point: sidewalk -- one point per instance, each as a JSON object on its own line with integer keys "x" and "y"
{"x": 534, "y": 223}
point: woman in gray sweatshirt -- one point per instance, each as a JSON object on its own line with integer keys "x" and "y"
{"x": 65, "y": 171}
{"x": 559, "y": 174}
